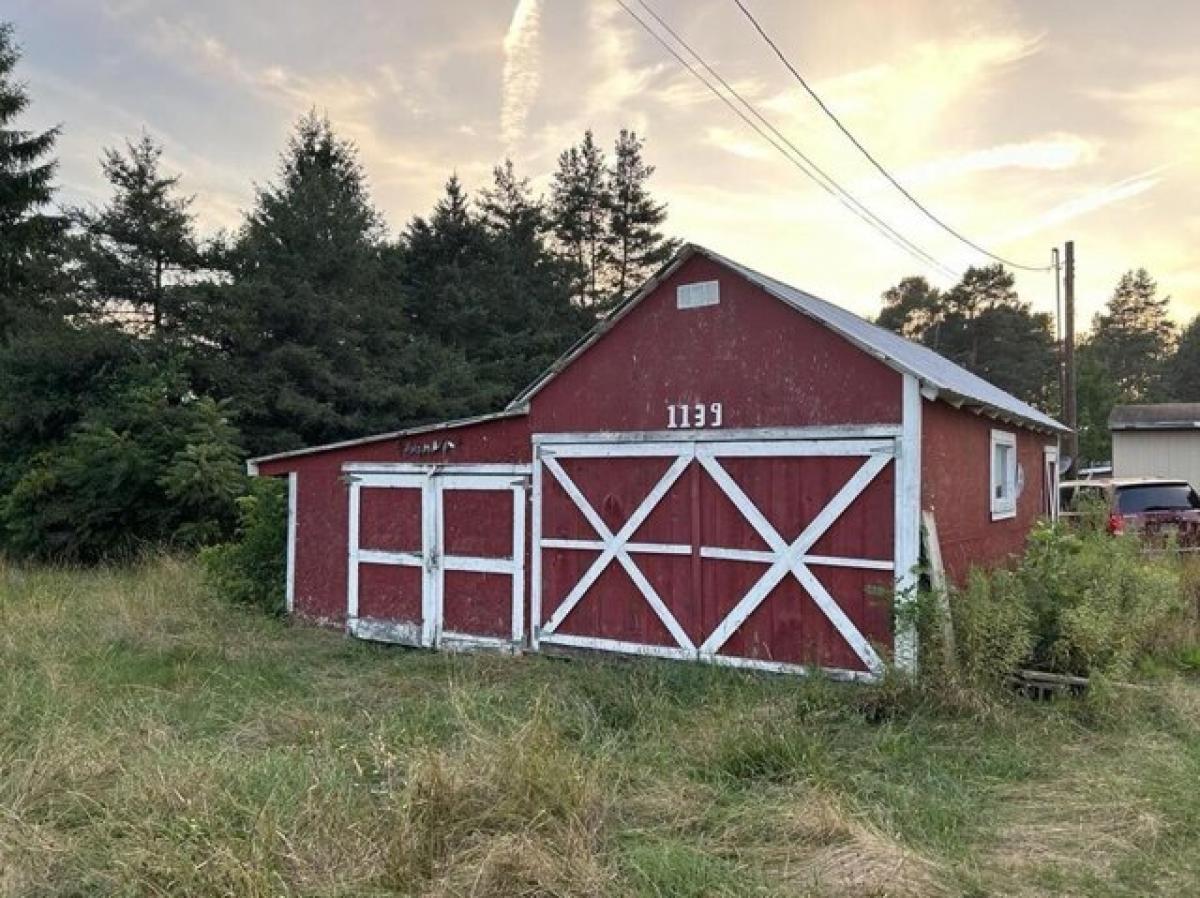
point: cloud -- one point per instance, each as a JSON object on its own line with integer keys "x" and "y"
{"x": 743, "y": 144}
{"x": 1107, "y": 195}
{"x": 522, "y": 71}
{"x": 1054, "y": 153}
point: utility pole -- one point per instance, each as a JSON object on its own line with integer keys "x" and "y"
{"x": 1070, "y": 397}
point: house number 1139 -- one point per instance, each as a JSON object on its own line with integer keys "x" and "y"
{"x": 699, "y": 414}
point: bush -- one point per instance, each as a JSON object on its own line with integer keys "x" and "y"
{"x": 1078, "y": 602}
{"x": 151, "y": 464}
{"x": 252, "y": 569}
{"x": 1098, "y": 601}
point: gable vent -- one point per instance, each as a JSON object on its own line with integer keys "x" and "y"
{"x": 698, "y": 295}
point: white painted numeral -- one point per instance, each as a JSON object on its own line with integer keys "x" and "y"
{"x": 684, "y": 415}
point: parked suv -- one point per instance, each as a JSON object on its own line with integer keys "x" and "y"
{"x": 1156, "y": 508}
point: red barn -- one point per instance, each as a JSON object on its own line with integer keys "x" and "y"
{"x": 726, "y": 469}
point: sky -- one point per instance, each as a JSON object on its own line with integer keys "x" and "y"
{"x": 1022, "y": 123}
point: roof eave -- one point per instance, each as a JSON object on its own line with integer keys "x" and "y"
{"x": 252, "y": 465}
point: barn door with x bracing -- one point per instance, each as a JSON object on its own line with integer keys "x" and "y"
{"x": 774, "y": 553}
{"x": 437, "y": 556}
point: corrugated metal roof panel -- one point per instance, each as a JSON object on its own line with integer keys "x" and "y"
{"x": 932, "y": 369}
{"x": 1156, "y": 416}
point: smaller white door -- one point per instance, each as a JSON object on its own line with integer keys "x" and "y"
{"x": 436, "y": 555}
{"x": 391, "y": 589}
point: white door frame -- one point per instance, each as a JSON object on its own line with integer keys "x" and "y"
{"x": 878, "y": 444}
{"x": 434, "y": 482}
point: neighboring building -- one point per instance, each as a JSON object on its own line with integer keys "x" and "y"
{"x": 1157, "y": 441}
{"x": 726, "y": 469}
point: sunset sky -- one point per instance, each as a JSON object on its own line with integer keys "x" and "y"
{"x": 1023, "y": 124}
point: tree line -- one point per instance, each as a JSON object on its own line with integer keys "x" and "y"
{"x": 141, "y": 362}
{"x": 1133, "y": 352}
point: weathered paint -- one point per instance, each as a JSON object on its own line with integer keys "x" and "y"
{"x": 322, "y": 501}
{"x": 766, "y": 364}
{"x": 956, "y": 453}
{"x": 682, "y": 581}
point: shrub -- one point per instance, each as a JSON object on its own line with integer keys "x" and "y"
{"x": 252, "y": 569}
{"x": 1098, "y": 602}
{"x": 1078, "y": 602}
{"x": 151, "y": 464}
{"x": 993, "y": 627}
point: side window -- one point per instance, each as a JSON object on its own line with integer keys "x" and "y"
{"x": 1004, "y": 475}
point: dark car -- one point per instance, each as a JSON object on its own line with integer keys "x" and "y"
{"x": 1157, "y": 509}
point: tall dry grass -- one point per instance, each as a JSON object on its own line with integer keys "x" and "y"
{"x": 156, "y": 741}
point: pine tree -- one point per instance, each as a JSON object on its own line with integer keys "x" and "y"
{"x": 143, "y": 240}
{"x": 911, "y": 308}
{"x": 309, "y": 339}
{"x": 509, "y": 207}
{"x": 28, "y": 236}
{"x": 636, "y": 246}
{"x": 1133, "y": 337}
{"x": 1184, "y": 368}
{"x": 982, "y": 324}
{"x": 316, "y": 224}
{"x": 579, "y": 212}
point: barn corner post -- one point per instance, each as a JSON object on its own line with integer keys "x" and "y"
{"x": 289, "y": 595}
{"x": 908, "y": 524}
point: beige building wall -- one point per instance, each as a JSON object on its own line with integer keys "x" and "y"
{"x": 1157, "y": 453}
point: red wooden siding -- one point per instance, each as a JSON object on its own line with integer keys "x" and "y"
{"x": 323, "y": 500}
{"x": 768, "y": 366}
{"x": 678, "y": 548}
{"x": 955, "y": 482}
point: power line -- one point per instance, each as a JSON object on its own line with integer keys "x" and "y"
{"x": 780, "y": 142}
{"x": 879, "y": 166}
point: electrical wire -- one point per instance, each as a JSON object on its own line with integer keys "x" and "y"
{"x": 780, "y": 142}
{"x": 875, "y": 162}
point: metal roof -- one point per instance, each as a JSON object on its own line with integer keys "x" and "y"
{"x": 952, "y": 382}
{"x": 1161, "y": 416}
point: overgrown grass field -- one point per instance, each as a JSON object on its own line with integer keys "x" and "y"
{"x": 156, "y": 741}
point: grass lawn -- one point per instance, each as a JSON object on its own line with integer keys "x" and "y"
{"x": 154, "y": 741}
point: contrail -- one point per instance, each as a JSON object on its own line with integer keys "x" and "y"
{"x": 522, "y": 74}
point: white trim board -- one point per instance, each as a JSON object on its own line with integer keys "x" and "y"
{"x": 716, "y": 435}
{"x": 293, "y": 492}
{"x": 387, "y": 467}
{"x": 908, "y": 525}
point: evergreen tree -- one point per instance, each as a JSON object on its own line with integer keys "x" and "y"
{"x": 309, "y": 339}
{"x": 487, "y": 285}
{"x": 579, "y": 209}
{"x": 1184, "y": 378}
{"x": 509, "y": 207}
{"x": 1096, "y": 393}
{"x": 982, "y": 324}
{"x": 29, "y": 238}
{"x": 911, "y": 308}
{"x": 140, "y": 243}
{"x": 636, "y": 244}
{"x": 1133, "y": 337}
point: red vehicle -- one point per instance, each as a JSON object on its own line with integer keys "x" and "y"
{"x": 1158, "y": 509}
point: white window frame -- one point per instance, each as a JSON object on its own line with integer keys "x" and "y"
{"x": 1005, "y": 506}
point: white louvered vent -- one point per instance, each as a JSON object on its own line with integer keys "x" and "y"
{"x": 698, "y": 295}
